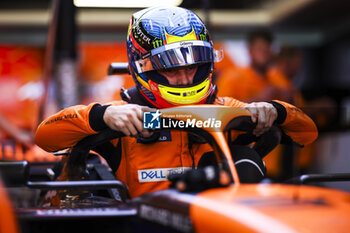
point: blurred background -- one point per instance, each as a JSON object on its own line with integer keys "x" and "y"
{"x": 54, "y": 54}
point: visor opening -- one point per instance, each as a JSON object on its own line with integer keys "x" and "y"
{"x": 174, "y": 93}
{"x": 200, "y": 89}
{"x": 202, "y": 73}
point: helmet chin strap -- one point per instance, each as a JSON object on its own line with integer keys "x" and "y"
{"x": 134, "y": 96}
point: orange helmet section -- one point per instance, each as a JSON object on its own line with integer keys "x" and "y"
{"x": 271, "y": 208}
{"x": 8, "y": 222}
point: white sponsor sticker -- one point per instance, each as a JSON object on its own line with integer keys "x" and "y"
{"x": 159, "y": 174}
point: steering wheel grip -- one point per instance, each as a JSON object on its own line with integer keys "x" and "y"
{"x": 241, "y": 123}
{"x": 76, "y": 163}
{"x": 265, "y": 143}
{"x": 89, "y": 142}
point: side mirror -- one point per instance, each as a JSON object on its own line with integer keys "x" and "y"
{"x": 118, "y": 68}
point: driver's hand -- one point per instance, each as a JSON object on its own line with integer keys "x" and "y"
{"x": 264, "y": 114}
{"x": 127, "y": 119}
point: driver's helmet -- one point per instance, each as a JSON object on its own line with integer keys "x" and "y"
{"x": 161, "y": 38}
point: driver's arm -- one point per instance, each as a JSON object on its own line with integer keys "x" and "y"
{"x": 293, "y": 121}
{"x": 67, "y": 127}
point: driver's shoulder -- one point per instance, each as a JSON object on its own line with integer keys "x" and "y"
{"x": 229, "y": 101}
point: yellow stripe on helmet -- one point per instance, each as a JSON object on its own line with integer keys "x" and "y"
{"x": 188, "y": 95}
{"x": 172, "y": 39}
{"x": 143, "y": 82}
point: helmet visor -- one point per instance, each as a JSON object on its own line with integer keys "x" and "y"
{"x": 179, "y": 54}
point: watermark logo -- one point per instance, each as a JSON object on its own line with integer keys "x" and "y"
{"x": 165, "y": 120}
{"x": 191, "y": 123}
{"x": 151, "y": 120}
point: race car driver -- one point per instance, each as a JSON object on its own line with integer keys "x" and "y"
{"x": 171, "y": 59}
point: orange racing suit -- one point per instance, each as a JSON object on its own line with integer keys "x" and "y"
{"x": 144, "y": 167}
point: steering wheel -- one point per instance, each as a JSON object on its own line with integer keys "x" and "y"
{"x": 263, "y": 144}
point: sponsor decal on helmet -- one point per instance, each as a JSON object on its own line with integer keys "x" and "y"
{"x": 140, "y": 34}
{"x": 186, "y": 43}
{"x": 157, "y": 43}
{"x": 202, "y": 37}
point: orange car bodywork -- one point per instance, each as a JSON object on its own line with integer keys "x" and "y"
{"x": 271, "y": 208}
{"x": 8, "y": 222}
